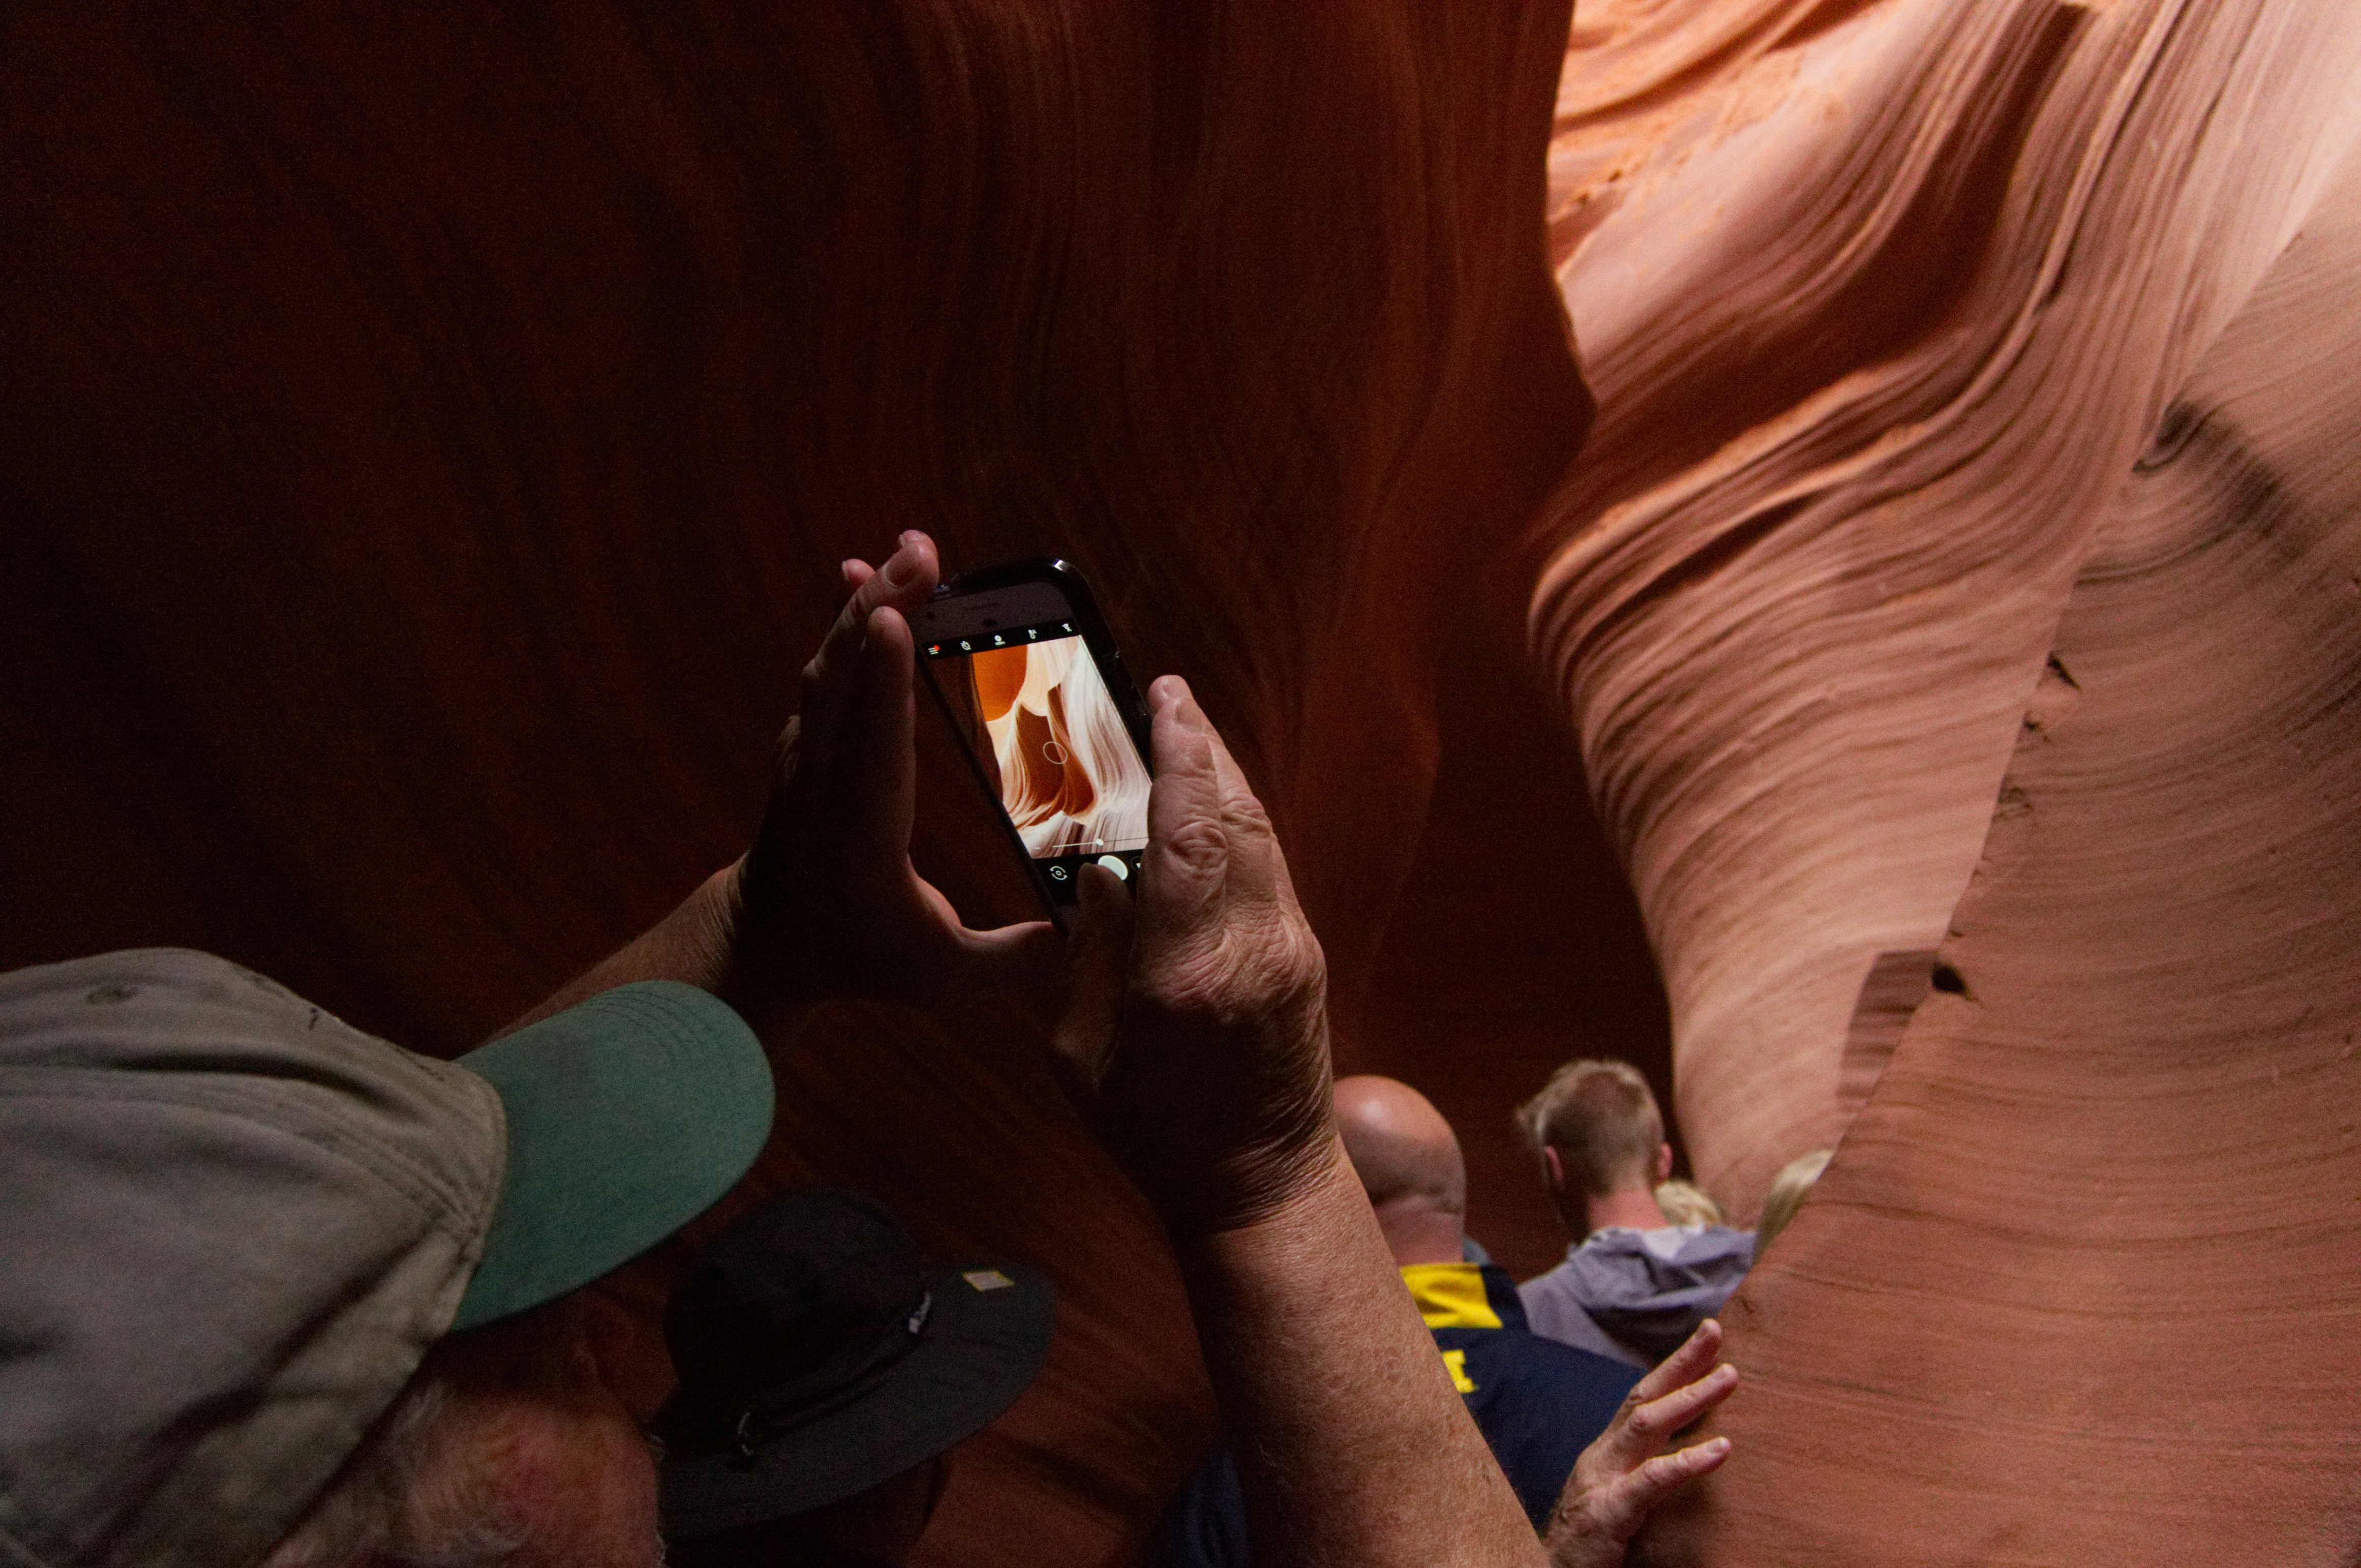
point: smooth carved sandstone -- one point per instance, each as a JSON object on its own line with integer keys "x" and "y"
{"x": 1908, "y": 338}
{"x": 1877, "y": 314}
{"x": 2080, "y": 1284}
{"x": 429, "y": 444}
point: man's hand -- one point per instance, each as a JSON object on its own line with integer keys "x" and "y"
{"x": 1207, "y": 1075}
{"x": 1196, "y": 1041}
{"x": 825, "y": 902}
{"x": 1627, "y": 1472}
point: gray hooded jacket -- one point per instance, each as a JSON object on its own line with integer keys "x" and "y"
{"x": 1636, "y": 1295}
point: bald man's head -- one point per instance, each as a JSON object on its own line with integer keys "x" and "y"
{"x": 1407, "y": 1160}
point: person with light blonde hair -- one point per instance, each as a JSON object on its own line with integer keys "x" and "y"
{"x": 1687, "y": 1204}
{"x": 1788, "y": 1190}
{"x": 1635, "y": 1283}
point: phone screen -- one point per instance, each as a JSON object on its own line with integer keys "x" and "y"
{"x": 1030, "y": 706}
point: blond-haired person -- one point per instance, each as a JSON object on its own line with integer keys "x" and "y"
{"x": 1788, "y": 1190}
{"x": 1634, "y": 1284}
{"x": 1687, "y": 1204}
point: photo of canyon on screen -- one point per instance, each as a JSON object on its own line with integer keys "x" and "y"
{"x": 1031, "y": 708}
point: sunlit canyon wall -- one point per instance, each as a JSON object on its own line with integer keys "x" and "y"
{"x": 1971, "y": 509}
{"x": 428, "y": 443}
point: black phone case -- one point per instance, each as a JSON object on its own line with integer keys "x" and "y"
{"x": 1096, "y": 639}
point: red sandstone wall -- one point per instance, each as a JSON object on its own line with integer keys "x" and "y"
{"x": 1914, "y": 327}
{"x": 2089, "y": 1252}
{"x": 426, "y": 443}
{"x": 426, "y": 447}
{"x": 1879, "y": 304}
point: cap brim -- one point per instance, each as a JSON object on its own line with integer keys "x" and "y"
{"x": 628, "y": 1116}
{"x": 981, "y": 1350}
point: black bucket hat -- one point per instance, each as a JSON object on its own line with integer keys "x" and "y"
{"x": 819, "y": 1355}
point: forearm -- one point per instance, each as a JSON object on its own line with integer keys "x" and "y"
{"x": 694, "y": 944}
{"x": 1351, "y": 1442}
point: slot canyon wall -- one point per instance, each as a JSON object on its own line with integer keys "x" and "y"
{"x": 429, "y": 442}
{"x": 427, "y": 447}
{"x": 1972, "y": 493}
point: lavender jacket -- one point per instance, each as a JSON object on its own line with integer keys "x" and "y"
{"x": 1635, "y": 1295}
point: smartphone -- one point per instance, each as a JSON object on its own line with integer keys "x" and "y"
{"x": 1040, "y": 701}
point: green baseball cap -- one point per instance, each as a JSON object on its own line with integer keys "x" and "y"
{"x": 234, "y": 1226}
{"x": 628, "y": 1116}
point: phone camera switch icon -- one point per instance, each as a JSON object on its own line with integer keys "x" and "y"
{"x": 1114, "y": 863}
{"x": 1057, "y": 874}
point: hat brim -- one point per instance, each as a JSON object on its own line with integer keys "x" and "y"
{"x": 981, "y": 1349}
{"x": 628, "y": 1116}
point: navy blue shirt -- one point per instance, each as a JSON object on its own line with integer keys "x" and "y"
{"x": 1537, "y": 1403}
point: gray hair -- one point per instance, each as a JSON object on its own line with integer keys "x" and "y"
{"x": 401, "y": 1500}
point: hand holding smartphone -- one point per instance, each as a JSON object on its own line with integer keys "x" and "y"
{"x": 1042, "y": 704}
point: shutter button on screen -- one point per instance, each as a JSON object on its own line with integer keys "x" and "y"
{"x": 1114, "y": 863}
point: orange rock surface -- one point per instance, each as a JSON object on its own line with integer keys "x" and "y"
{"x": 428, "y": 443}
{"x": 1878, "y": 307}
{"x": 2089, "y": 1250}
{"x": 1913, "y": 328}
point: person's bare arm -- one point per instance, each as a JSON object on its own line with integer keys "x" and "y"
{"x": 692, "y": 944}
{"x": 825, "y": 902}
{"x": 1209, "y": 1080}
{"x": 1350, "y": 1442}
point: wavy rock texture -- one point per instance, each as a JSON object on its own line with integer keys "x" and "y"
{"x": 2081, "y": 1284}
{"x": 1878, "y": 307}
{"x": 427, "y": 446}
{"x": 426, "y": 443}
{"x": 1913, "y": 329}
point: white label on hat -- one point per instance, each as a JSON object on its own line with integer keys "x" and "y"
{"x": 987, "y": 1280}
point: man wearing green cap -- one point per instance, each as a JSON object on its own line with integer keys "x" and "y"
{"x": 270, "y": 1287}
{"x": 274, "y": 1291}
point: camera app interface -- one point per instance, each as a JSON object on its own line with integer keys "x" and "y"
{"x": 1030, "y": 704}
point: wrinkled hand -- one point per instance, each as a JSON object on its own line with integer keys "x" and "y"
{"x": 1625, "y": 1473}
{"x": 825, "y": 902}
{"x": 1195, "y": 1038}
